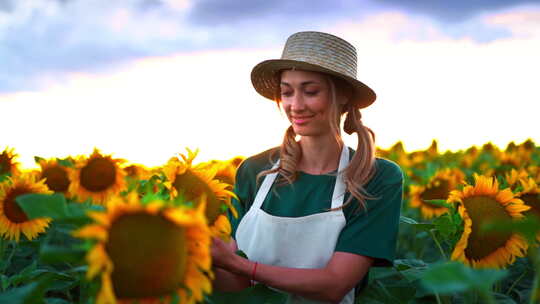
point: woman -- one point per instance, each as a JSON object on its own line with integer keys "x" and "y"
{"x": 314, "y": 215}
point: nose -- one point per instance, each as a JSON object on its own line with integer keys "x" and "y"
{"x": 297, "y": 103}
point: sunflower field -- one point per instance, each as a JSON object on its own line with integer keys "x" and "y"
{"x": 99, "y": 229}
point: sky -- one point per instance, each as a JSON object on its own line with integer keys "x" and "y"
{"x": 144, "y": 79}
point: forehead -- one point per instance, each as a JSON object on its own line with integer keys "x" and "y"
{"x": 300, "y": 76}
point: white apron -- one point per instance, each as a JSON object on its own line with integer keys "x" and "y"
{"x": 297, "y": 242}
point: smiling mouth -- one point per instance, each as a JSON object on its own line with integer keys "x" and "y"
{"x": 301, "y": 120}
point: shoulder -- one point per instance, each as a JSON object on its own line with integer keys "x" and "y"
{"x": 259, "y": 162}
{"x": 388, "y": 170}
{"x": 385, "y": 170}
{"x": 387, "y": 174}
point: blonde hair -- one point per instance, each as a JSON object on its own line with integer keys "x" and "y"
{"x": 361, "y": 167}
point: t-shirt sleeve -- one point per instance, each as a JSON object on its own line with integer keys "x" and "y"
{"x": 373, "y": 232}
{"x": 242, "y": 189}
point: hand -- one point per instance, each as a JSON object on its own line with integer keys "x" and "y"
{"x": 222, "y": 253}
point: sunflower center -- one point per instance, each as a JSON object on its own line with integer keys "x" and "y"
{"x": 192, "y": 187}
{"x": 225, "y": 178}
{"x": 56, "y": 178}
{"x": 98, "y": 175}
{"x": 438, "y": 189}
{"x": 131, "y": 170}
{"x": 5, "y": 163}
{"x": 11, "y": 209}
{"x": 532, "y": 200}
{"x": 482, "y": 209}
{"x": 149, "y": 254}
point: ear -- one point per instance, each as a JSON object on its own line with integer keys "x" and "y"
{"x": 344, "y": 91}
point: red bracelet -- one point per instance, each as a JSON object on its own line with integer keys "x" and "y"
{"x": 253, "y": 274}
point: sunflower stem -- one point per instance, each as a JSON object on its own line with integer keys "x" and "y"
{"x": 438, "y": 298}
{"x": 533, "y": 256}
{"x": 487, "y": 296}
{"x": 516, "y": 281}
{"x": 438, "y": 245}
{"x": 2, "y": 248}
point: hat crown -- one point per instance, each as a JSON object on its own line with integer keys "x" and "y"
{"x": 322, "y": 49}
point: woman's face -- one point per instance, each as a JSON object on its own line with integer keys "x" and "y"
{"x": 305, "y": 98}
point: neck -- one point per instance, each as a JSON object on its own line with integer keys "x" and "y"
{"x": 320, "y": 154}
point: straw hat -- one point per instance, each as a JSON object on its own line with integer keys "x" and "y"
{"x": 318, "y": 52}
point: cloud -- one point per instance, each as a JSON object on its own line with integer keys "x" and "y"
{"x": 454, "y": 11}
{"x": 429, "y": 85}
{"x": 42, "y": 41}
{"x": 520, "y": 22}
{"x": 216, "y": 12}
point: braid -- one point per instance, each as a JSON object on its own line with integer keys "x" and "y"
{"x": 290, "y": 154}
{"x": 362, "y": 166}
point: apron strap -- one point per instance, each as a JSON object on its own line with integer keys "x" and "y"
{"x": 265, "y": 188}
{"x": 339, "y": 189}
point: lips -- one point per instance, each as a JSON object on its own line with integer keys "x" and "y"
{"x": 300, "y": 120}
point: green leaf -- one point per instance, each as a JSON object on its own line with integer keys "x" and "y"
{"x": 407, "y": 220}
{"x": 445, "y": 226}
{"x": 402, "y": 291}
{"x": 415, "y": 224}
{"x": 4, "y": 281}
{"x": 56, "y": 301}
{"x": 37, "y": 159}
{"x": 53, "y": 254}
{"x": 241, "y": 253}
{"x": 404, "y": 264}
{"x": 23, "y": 276}
{"x": 411, "y": 269}
{"x": 503, "y": 299}
{"x": 43, "y": 205}
{"x": 27, "y": 294}
{"x": 380, "y": 273}
{"x": 455, "y": 277}
{"x": 440, "y": 203}
{"x": 66, "y": 162}
{"x": 375, "y": 294}
{"x": 258, "y": 294}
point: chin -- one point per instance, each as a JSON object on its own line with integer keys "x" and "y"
{"x": 306, "y": 132}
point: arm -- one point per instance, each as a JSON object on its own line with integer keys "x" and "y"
{"x": 225, "y": 280}
{"x": 331, "y": 283}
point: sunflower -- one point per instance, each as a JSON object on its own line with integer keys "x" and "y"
{"x": 149, "y": 252}
{"x": 137, "y": 172}
{"x": 514, "y": 177}
{"x": 433, "y": 150}
{"x": 225, "y": 171}
{"x": 528, "y": 145}
{"x": 98, "y": 177}
{"x": 8, "y": 165}
{"x": 483, "y": 203}
{"x": 489, "y": 147}
{"x": 221, "y": 228}
{"x": 195, "y": 183}
{"x": 13, "y": 220}
{"x": 56, "y": 176}
{"x": 534, "y": 172}
{"x": 530, "y": 195}
{"x": 469, "y": 157}
{"x": 438, "y": 187}
{"x": 514, "y": 159}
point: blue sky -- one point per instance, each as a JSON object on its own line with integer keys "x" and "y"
{"x": 447, "y": 63}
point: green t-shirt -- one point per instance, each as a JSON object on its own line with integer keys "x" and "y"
{"x": 371, "y": 232}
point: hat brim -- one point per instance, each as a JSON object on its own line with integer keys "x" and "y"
{"x": 265, "y": 82}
